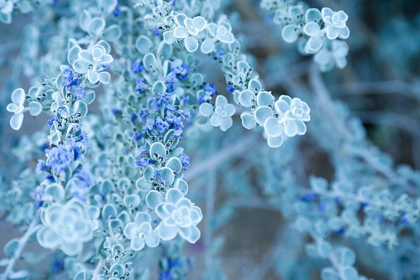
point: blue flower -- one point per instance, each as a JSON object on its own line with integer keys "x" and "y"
{"x": 115, "y": 112}
{"x": 210, "y": 89}
{"x": 60, "y": 157}
{"x": 220, "y": 54}
{"x": 80, "y": 92}
{"x": 117, "y": 12}
{"x": 69, "y": 78}
{"x": 137, "y": 67}
{"x": 144, "y": 162}
{"x": 140, "y": 86}
{"x": 80, "y": 183}
{"x": 38, "y": 196}
{"x": 57, "y": 266}
{"x": 181, "y": 71}
{"x": 137, "y": 136}
{"x": 133, "y": 117}
{"x": 185, "y": 160}
{"x": 161, "y": 125}
{"x": 159, "y": 99}
{"x": 144, "y": 113}
{"x": 50, "y": 122}
{"x": 156, "y": 32}
{"x": 230, "y": 88}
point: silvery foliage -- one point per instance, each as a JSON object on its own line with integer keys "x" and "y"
{"x": 101, "y": 175}
{"x": 111, "y": 187}
{"x": 315, "y": 32}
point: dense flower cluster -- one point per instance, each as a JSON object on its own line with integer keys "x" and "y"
{"x": 109, "y": 196}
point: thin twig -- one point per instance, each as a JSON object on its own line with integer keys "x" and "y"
{"x": 33, "y": 227}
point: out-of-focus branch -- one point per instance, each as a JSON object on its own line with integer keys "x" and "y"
{"x": 379, "y": 87}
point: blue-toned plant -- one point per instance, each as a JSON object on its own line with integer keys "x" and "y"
{"x": 124, "y": 88}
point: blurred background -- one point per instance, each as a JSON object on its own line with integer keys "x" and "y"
{"x": 249, "y": 237}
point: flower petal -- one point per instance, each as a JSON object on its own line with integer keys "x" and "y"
{"x": 152, "y": 240}
{"x": 173, "y": 195}
{"x": 154, "y": 198}
{"x": 93, "y": 76}
{"x": 226, "y": 124}
{"x": 18, "y": 96}
{"x": 130, "y": 230}
{"x": 181, "y": 32}
{"x": 200, "y": 23}
{"x": 137, "y": 243}
{"x": 216, "y": 120}
{"x": 312, "y": 29}
{"x": 16, "y": 121}
{"x": 207, "y": 46}
{"x": 166, "y": 233}
{"x": 191, "y": 44}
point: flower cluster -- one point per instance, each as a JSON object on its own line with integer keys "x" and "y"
{"x": 316, "y": 32}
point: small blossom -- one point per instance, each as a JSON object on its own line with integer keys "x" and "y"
{"x": 140, "y": 232}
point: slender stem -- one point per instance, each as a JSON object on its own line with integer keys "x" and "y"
{"x": 33, "y": 227}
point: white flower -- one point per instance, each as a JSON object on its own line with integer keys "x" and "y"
{"x": 187, "y": 29}
{"x": 17, "y": 108}
{"x": 140, "y": 232}
{"x": 335, "y": 24}
{"x": 220, "y": 32}
{"x": 6, "y": 6}
{"x": 294, "y": 113}
{"x": 179, "y": 215}
{"x": 66, "y": 227}
{"x": 326, "y": 59}
{"x": 222, "y": 114}
{"x": 92, "y": 62}
{"x": 293, "y": 28}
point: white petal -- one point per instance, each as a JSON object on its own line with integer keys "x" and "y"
{"x": 275, "y": 142}
{"x": 173, "y": 195}
{"x": 200, "y": 23}
{"x": 181, "y": 32}
{"x": 35, "y": 108}
{"x": 152, "y": 240}
{"x": 343, "y": 33}
{"x": 230, "y": 110}
{"x": 314, "y": 44}
{"x": 221, "y": 101}
{"x": 207, "y": 46}
{"x": 80, "y": 66}
{"x": 216, "y": 120}
{"x": 332, "y": 33}
{"x": 191, "y": 44}
{"x": 142, "y": 217}
{"x": 301, "y": 127}
{"x": 166, "y": 233}
{"x": 290, "y": 128}
{"x": 18, "y": 96}
{"x": 104, "y": 77}
{"x": 137, "y": 244}
{"x": 312, "y": 29}
{"x": 130, "y": 230}
{"x": 289, "y": 33}
{"x": 16, "y": 121}
{"x": 169, "y": 37}
{"x": 206, "y": 109}
{"x": 93, "y": 76}
{"x": 154, "y": 198}
{"x": 226, "y": 124}
{"x": 145, "y": 228}
{"x": 272, "y": 127}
